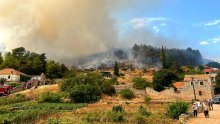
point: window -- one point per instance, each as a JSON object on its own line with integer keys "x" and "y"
{"x": 9, "y": 76}
{"x": 201, "y": 83}
{"x": 200, "y": 93}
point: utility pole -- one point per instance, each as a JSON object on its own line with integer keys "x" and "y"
{"x": 194, "y": 92}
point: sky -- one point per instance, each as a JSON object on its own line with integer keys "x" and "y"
{"x": 194, "y": 23}
{"x": 69, "y": 29}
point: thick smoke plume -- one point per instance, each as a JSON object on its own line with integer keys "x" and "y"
{"x": 64, "y": 29}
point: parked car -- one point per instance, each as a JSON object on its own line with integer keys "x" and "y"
{"x": 5, "y": 89}
{"x": 216, "y": 100}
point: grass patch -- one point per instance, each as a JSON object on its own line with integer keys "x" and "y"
{"x": 27, "y": 112}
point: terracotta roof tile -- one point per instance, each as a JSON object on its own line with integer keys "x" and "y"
{"x": 8, "y": 71}
{"x": 178, "y": 85}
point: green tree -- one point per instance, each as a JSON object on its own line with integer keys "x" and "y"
{"x": 163, "y": 78}
{"x": 10, "y": 61}
{"x": 140, "y": 83}
{"x": 163, "y": 58}
{"x": 116, "y": 69}
{"x": 217, "y": 80}
{"x": 213, "y": 64}
{"x": 53, "y": 70}
{"x": 1, "y": 59}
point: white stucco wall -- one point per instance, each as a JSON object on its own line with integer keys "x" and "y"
{"x": 13, "y": 77}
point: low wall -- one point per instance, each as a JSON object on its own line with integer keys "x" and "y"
{"x": 184, "y": 94}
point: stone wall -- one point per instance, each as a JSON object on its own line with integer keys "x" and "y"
{"x": 182, "y": 94}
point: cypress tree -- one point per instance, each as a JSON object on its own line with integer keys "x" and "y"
{"x": 116, "y": 69}
{"x": 163, "y": 58}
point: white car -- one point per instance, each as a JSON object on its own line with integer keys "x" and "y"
{"x": 216, "y": 99}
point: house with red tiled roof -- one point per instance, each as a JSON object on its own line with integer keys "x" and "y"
{"x": 202, "y": 84}
{"x": 11, "y": 75}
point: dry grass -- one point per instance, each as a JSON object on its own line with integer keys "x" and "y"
{"x": 33, "y": 93}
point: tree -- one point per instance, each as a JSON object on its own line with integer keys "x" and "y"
{"x": 53, "y": 70}
{"x": 217, "y": 80}
{"x": 163, "y": 58}
{"x": 140, "y": 83}
{"x": 116, "y": 69}
{"x": 162, "y": 79}
{"x": 1, "y": 59}
{"x": 213, "y": 64}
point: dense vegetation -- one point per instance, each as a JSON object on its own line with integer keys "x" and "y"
{"x": 177, "y": 108}
{"x": 86, "y": 88}
{"x": 173, "y": 57}
{"x": 163, "y": 78}
{"x": 127, "y": 93}
{"x": 32, "y": 63}
{"x": 27, "y": 112}
{"x": 213, "y": 64}
{"x": 140, "y": 83}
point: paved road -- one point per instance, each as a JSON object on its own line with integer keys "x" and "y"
{"x": 214, "y": 117}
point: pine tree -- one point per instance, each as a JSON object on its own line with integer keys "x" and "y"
{"x": 163, "y": 58}
{"x": 116, "y": 69}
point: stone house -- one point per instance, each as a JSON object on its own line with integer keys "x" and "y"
{"x": 11, "y": 75}
{"x": 203, "y": 85}
{"x": 183, "y": 90}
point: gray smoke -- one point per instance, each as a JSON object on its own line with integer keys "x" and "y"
{"x": 64, "y": 29}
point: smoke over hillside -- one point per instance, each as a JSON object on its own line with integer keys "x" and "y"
{"x": 64, "y": 29}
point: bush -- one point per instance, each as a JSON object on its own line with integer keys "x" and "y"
{"x": 117, "y": 108}
{"x": 140, "y": 83}
{"x": 140, "y": 119}
{"x": 177, "y": 108}
{"x": 50, "y": 97}
{"x": 107, "y": 88}
{"x": 13, "y": 99}
{"x": 147, "y": 100}
{"x": 15, "y": 84}
{"x": 85, "y": 93}
{"x": 93, "y": 117}
{"x": 142, "y": 111}
{"x": 162, "y": 79}
{"x": 115, "y": 116}
{"x": 114, "y": 80}
{"x": 127, "y": 94}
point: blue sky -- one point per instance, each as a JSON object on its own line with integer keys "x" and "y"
{"x": 188, "y": 23}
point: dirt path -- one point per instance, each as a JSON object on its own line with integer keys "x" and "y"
{"x": 214, "y": 117}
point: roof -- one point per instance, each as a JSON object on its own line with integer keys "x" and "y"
{"x": 178, "y": 85}
{"x": 197, "y": 77}
{"x": 8, "y": 71}
{"x": 208, "y": 70}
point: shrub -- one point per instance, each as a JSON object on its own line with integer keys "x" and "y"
{"x": 140, "y": 83}
{"x": 107, "y": 88}
{"x": 117, "y": 108}
{"x": 13, "y": 99}
{"x": 140, "y": 119}
{"x": 15, "y": 84}
{"x": 85, "y": 93}
{"x": 93, "y": 117}
{"x": 112, "y": 116}
{"x": 127, "y": 93}
{"x": 177, "y": 108}
{"x": 147, "y": 100}
{"x": 162, "y": 79}
{"x": 50, "y": 97}
{"x": 142, "y": 111}
{"x": 114, "y": 80}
